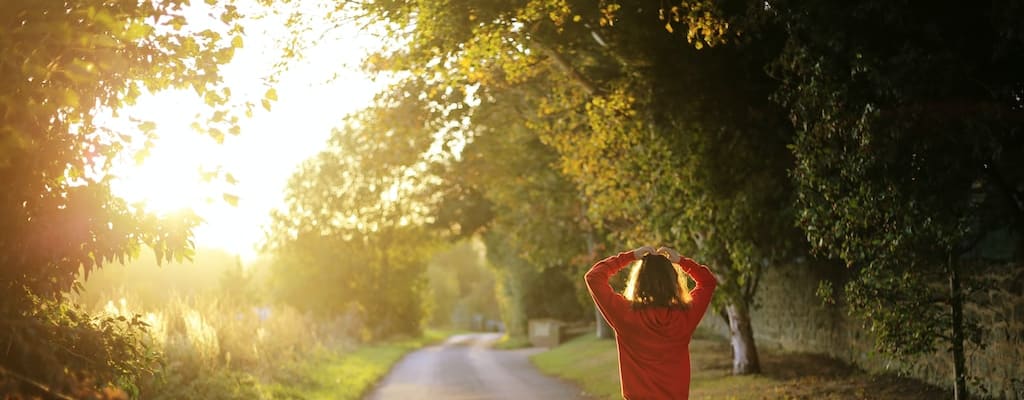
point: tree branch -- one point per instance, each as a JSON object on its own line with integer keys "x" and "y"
{"x": 752, "y": 288}
{"x": 41, "y": 386}
{"x": 574, "y": 75}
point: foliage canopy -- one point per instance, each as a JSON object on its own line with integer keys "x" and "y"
{"x": 62, "y": 64}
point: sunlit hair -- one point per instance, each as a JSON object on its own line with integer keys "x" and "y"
{"x": 656, "y": 282}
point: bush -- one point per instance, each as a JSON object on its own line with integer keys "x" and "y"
{"x": 54, "y": 347}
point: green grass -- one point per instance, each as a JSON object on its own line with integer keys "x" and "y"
{"x": 512, "y": 342}
{"x": 586, "y": 360}
{"x": 352, "y": 374}
{"x": 592, "y": 364}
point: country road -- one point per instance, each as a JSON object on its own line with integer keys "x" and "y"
{"x": 465, "y": 367}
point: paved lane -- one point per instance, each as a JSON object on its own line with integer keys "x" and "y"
{"x": 464, "y": 368}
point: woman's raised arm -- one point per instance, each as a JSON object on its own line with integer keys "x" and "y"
{"x": 704, "y": 279}
{"x": 611, "y": 304}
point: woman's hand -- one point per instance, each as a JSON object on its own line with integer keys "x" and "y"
{"x": 642, "y": 251}
{"x": 670, "y": 253}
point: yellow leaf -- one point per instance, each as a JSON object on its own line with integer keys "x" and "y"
{"x": 217, "y": 135}
{"x": 668, "y": 27}
{"x": 271, "y": 94}
{"x": 138, "y": 31}
{"x": 71, "y": 99}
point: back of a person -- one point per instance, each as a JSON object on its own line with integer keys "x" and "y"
{"x": 654, "y": 320}
{"x": 654, "y": 345}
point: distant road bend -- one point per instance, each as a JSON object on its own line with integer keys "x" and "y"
{"x": 465, "y": 367}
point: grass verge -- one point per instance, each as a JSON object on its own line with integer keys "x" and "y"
{"x": 512, "y": 342}
{"x": 592, "y": 364}
{"x": 589, "y": 362}
{"x": 349, "y": 375}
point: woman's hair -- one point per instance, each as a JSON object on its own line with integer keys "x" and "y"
{"x": 655, "y": 282}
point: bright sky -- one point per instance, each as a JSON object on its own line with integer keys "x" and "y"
{"x": 313, "y": 96}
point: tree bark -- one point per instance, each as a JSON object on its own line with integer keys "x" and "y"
{"x": 741, "y": 333}
{"x": 602, "y": 330}
{"x": 957, "y": 305}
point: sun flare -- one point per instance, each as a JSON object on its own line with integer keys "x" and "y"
{"x": 186, "y": 169}
{"x": 170, "y": 177}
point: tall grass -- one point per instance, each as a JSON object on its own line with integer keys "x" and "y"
{"x": 216, "y": 348}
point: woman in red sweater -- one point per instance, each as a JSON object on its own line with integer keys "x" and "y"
{"x": 655, "y": 319}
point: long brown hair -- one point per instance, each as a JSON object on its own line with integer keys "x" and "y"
{"x": 655, "y": 282}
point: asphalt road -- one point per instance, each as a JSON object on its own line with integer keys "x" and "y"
{"x": 465, "y": 367}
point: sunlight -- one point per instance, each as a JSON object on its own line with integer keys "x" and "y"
{"x": 314, "y": 93}
{"x": 170, "y": 177}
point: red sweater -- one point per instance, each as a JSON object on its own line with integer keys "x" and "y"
{"x": 653, "y": 343}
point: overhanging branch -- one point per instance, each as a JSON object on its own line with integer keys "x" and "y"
{"x": 574, "y": 75}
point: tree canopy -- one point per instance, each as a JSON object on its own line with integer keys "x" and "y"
{"x": 883, "y": 134}
{"x": 63, "y": 63}
{"x": 660, "y": 141}
{"x": 890, "y": 143}
{"x": 353, "y": 229}
{"x": 908, "y": 154}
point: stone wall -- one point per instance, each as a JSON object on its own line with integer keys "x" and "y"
{"x": 789, "y": 316}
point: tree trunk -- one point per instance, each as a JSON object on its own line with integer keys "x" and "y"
{"x": 959, "y": 364}
{"x": 604, "y": 331}
{"x": 741, "y": 333}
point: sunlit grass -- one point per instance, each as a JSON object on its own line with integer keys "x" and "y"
{"x": 214, "y": 348}
{"x": 592, "y": 364}
{"x": 588, "y": 361}
{"x": 351, "y": 375}
{"x": 218, "y": 341}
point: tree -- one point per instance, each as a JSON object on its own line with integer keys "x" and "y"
{"x": 687, "y": 148}
{"x": 534, "y": 227}
{"x": 462, "y": 287}
{"x": 908, "y": 152}
{"x": 665, "y": 142}
{"x": 353, "y": 227}
{"x": 63, "y": 63}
